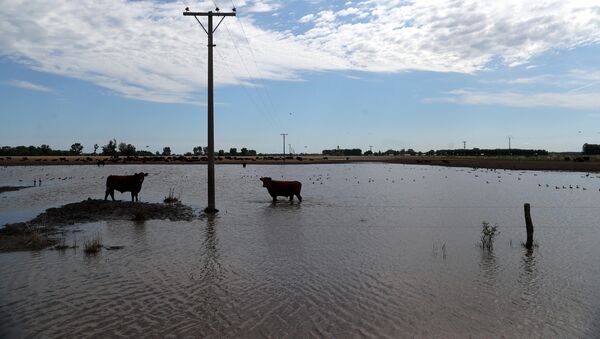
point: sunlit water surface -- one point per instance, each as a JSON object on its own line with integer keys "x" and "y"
{"x": 374, "y": 250}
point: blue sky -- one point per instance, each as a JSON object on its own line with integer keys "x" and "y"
{"x": 391, "y": 74}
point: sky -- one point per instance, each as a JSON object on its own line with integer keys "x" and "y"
{"x": 388, "y": 74}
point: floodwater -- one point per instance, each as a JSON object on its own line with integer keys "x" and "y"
{"x": 374, "y": 250}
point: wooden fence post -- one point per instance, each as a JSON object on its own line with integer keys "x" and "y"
{"x": 529, "y": 227}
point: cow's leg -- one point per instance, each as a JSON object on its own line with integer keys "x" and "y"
{"x": 291, "y": 197}
{"x": 111, "y": 192}
{"x": 274, "y": 198}
{"x": 132, "y": 196}
{"x": 299, "y": 197}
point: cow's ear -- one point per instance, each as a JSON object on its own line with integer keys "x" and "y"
{"x": 145, "y": 174}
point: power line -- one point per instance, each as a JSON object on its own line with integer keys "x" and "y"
{"x": 260, "y": 77}
{"x": 273, "y": 115}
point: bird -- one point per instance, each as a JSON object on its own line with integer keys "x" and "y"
{"x": 217, "y": 9}
{"x": 187, "y": 9}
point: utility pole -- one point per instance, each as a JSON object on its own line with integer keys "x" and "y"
{"x": 509, "y": 142}
{"x": 371, "y": 149}
{"x": 211, "y": 136}
{"x": 464, "y": 145}
{"x": 283, "y": 134}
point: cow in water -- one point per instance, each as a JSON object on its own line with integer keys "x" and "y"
{"x": 124, "y": 183}
{"x": 282, "y": 188}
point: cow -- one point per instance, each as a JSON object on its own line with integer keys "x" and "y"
{"x": 124, "y": 183}
{"x": 282, "y": 188}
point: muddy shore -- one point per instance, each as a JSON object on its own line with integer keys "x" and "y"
{"x": 45, "y": 229}
{"x": 547, "y": 163}
{"x": 12, "y": 188}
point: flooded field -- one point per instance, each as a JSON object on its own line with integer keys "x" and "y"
{"x": 374, "y": 250}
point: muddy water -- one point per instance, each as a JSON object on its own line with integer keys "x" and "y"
{"x": 374, "y": 250}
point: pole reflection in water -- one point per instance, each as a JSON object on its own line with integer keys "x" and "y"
{"x": 208, "y": 289}
{"x": 211, "y": 270}
{"x": 528, "y": 279}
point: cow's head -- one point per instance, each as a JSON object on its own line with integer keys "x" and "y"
{"x": 265, "y": 181}
{"x": 139, "y": 177}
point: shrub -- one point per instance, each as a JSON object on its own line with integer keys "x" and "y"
{"x": 488, "y": 233}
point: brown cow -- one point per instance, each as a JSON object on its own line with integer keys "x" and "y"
{"x": 282, "y": 188}
{"x": 124, "y": 183}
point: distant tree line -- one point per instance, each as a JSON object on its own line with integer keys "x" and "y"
{"x": 30, "y": 151}
{"x": 488, "y": 152}
{"x": 340, "y": 151}
{"x": 591, "y": 149}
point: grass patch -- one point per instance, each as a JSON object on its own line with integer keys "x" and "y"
{"x": 488, "y": 234}
{"x": 171, "y": 198}
{"x": 93, "y": 246}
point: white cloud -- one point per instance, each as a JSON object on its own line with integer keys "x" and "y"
{"x": 589, "y": 100}
{"x": 27, "y": 85}
{"x": 307, "y": 18}
{"x": 147, "y": 50}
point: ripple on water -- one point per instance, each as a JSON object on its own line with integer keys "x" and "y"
{"x": 357, "y": 257}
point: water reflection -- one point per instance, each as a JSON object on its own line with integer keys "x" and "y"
{"x": 528, "y": 277}
{"x": 211, "y": 269}
{"x": 488, "y": 268}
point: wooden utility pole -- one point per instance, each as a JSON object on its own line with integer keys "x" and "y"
{"x": 211, "y": 137}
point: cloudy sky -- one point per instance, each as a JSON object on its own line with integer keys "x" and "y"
{"x": 391, "y": 74}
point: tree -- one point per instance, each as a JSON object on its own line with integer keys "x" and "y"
{"x": 126, "y": 149}
{"x": 122, "y": 148}
{"x": 166, "y": 151}
{"x": 221, "y": 152}
{"x": 110, "y": 148}
{"x": 198, "y": 150}
{"x": 233, "y": 151}
{"x": 45, "y": 149}
{"x": 95, "y": 149}
{"x": 76, "y": 148}
{"x": 244, "y": 151}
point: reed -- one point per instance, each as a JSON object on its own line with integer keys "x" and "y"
{"x": 92, "y": 246}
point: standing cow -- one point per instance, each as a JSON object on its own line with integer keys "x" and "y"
{"x": 282, "y": 188}
{"x": 124, "y": 183}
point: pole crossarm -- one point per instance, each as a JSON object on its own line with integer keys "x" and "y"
{"x": 209, "y": 13}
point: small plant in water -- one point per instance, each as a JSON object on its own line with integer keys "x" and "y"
{"x": 92, "y": 246}
{"x": 171, "y": 198}
{"x": 488, "y": 233}
{"x": 62, "y": 245}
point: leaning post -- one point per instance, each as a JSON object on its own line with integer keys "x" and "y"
{"x": 528, "y": 227}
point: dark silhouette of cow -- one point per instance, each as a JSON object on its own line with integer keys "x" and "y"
{"x": 124, "y": 183}
{"x": 282, "y": 188}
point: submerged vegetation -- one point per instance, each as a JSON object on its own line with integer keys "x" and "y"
{"x": 488, "y": 234}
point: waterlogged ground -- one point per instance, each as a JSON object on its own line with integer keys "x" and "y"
{"x": 374, "y": 250}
